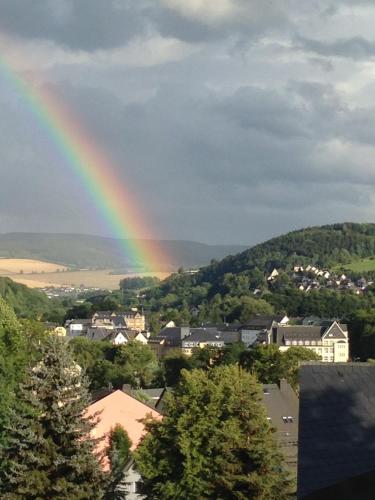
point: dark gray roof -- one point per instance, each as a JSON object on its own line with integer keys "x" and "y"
{"x": 301, "y": 332}
{"x": 307, "y": 332}
{"x": 79, "y": 322}
{"x": 281, "y": 404}
{"x": 261, "y": 322}
{"x": 175, "y": 333}
{"x": 154, "y": 393}
{"x": 203, "y": 335}
{"x": 227, "y": 336}
{"x": 98, "y": 333}
{"x": 102, "y": 314}
{"x": 336, "y": 424}
{"x": 118, "y": 320}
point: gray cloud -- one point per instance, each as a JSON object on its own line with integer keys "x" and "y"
{"x": 356, "y": 48}
{"x": 97, "y": 24}
{"x": 78, "y": 24}
{"x": 245, "y": 137}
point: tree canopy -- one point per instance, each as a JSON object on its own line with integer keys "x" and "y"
{"x": 49, "y": 452}
{"x": 214, "y": 442}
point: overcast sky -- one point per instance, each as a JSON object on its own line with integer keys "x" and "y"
{"x": 232, "y": 120}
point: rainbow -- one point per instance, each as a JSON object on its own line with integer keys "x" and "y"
{"x": 97, "y": 174}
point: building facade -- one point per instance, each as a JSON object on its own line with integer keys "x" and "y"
{"x": 330, "y": 340}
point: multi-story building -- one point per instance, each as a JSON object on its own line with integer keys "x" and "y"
{"x": 132, "y": 320}
{"x": 329, "y": 340}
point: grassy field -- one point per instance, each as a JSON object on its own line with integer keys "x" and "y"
{"x": 358, "y": 266}
{"x": 90, "y": 279}
{"x": 28, "y": 266}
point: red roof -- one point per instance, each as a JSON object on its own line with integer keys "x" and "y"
{"x": 119, "y": 408}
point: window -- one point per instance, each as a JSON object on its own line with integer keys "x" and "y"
{"x": 288, "y": 419}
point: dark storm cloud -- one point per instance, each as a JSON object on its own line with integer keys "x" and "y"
{"x": 98, "y": 24}
{"x": 78, "y": 24}
{"x": 242, "y": 131}
{"x": 356, "y": 48}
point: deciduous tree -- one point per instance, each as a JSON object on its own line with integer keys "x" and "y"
{"x": 214, "y": 442}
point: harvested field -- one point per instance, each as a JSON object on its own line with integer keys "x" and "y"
{"x": 90, "y": 279}
{"x": 28, "y": 266}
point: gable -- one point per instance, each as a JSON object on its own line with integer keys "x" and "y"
{"x": 119, "y": 408}
{"x": 334, "y": 332}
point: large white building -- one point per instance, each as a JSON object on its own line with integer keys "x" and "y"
{"x": 329, "y": 340}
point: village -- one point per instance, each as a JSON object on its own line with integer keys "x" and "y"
{"x": 312, "y": 277}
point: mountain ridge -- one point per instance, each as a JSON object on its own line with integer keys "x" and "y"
{"x": 81, "y": 250}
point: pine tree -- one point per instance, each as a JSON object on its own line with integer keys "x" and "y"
{"x": 49, "y": 451}
{"x": 214, "y": 442}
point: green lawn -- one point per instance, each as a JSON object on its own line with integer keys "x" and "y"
{"x": 358, "y": 266}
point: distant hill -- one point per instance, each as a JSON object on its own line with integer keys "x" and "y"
{"x": 239, "y": 275}
{"x": 325, "y": 246}
{"x": 82, "y": 251}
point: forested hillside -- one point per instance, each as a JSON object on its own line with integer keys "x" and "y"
{"x": 224, "y": 290}
{"x": 29, "y": 303}
{"x": 324, "y": 246}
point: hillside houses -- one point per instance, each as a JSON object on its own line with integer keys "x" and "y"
{"x": 312, "y": 277}
{"x": 115, "y": 327}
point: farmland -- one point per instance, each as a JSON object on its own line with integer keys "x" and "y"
{"x": 90, "y": 279}
{"x": 28, "y": 266}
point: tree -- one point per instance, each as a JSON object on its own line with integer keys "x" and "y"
{"x": 138, "y": 363}
{"x": 232, "y": 354}
{"x": 13, "y": 358}
{"x": 271, "y": 365}
{"x": 214, "y": 442}
{"x": 119, "y": 455}
{"x": 173, "y": 362}
{"x": 292, "y": 359}
{"x": 266, "y": 362}
{"x": 49, "y": 452}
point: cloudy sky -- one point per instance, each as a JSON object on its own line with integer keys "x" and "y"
{"x": 231, "y": 120}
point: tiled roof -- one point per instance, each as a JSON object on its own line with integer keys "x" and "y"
{"x": 281, "y": 404}
{"x": 261, "y": 322}
{"x": 301, "y": 332}
{"x": 123, "y": 409}
{"x": 203, "y": 335}
{"x": 336, "y": 423}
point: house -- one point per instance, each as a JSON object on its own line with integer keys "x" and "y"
{"x": 281, "y": 404}
{"x": 168, "y": 338}
{"x": 256, "y": 329}
{"x": 329, "y": 340}
{"x": 118, "y": 408}
{"x": 77, "y": 327}
{"x": 133, "y": 319}
{"x": 202, "y": 337}
{"x": 336, "y": 457}
{"x": 273, "y": 275}
{"x": 115, "y": 335}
